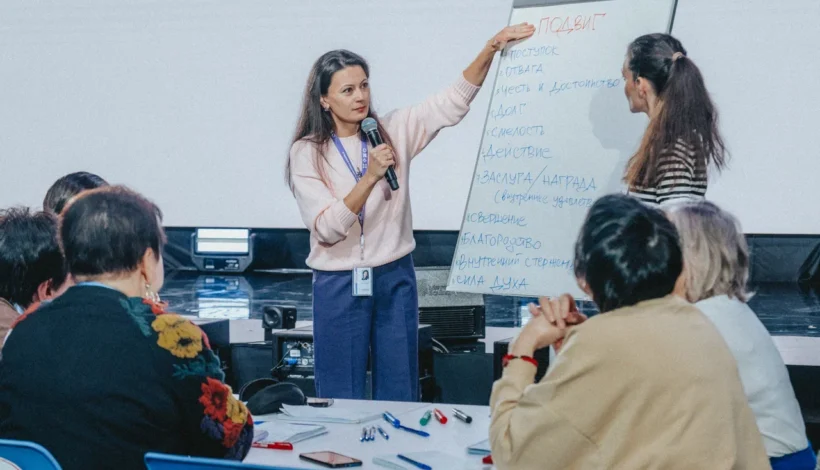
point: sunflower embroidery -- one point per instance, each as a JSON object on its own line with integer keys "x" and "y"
{"x": 179, "y": 336}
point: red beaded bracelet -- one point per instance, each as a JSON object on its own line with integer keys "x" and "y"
{"x": 509, "y": 357}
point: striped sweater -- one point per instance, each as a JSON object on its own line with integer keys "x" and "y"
{"x": 680, "y": 177}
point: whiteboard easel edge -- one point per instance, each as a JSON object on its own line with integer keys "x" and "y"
{"x": 450, "y": 284}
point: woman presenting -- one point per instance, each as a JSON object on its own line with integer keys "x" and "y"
{"x": 358, "y": 225}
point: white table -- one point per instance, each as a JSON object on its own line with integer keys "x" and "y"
{"x": 452, "y": 438}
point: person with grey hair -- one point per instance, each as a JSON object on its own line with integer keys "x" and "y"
{"x": 716, "y": 270}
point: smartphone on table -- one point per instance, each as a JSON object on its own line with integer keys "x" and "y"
{"x": 331, "y": 459}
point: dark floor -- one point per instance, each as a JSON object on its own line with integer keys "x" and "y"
{"x": 785, "y": 309}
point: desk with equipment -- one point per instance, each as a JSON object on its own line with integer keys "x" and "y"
{"x": 446, "y": 447}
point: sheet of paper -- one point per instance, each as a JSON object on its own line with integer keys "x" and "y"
{"x": 280, "y": 431}
{"x": 335, "y": 414}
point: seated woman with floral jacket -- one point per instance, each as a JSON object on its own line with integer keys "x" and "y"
{"x": 102, "y": 374}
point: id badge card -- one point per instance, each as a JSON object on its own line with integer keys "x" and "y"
{"x": 362, "y": 282}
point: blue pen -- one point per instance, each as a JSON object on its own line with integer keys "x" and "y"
{"x": 391, "y": 419}
{"x": 414, "y": 431}
{"x": 397, "y": 424}
{"x": 414, "y": 463}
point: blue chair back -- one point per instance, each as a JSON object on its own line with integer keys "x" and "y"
{"x": 27, "y": 455}
{"x": 156, "y": 461}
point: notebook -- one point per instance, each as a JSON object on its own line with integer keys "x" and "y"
{"x": 336, "y": 414}
{"x": 482, "y": 448}
{"x": 277, "y": 431}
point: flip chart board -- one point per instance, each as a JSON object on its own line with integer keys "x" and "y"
{"x": 557, "y": 137}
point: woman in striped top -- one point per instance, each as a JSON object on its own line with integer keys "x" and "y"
{"x": 682, "y": 138}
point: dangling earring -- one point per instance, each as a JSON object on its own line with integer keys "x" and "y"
{"x": 150, "y": 295}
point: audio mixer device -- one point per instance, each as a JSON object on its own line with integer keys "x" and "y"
{"x": 298, "y": 356}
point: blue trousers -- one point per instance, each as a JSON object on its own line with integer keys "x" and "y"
{"x": 347, "y": 330}
{"x": 803, "y": 460}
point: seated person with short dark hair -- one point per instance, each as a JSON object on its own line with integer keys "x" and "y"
{"x": 102, "y": 375}
{"x": 70, "y": 185}
{"x": 32, "y": 269}
{"x": 646, "y": 383}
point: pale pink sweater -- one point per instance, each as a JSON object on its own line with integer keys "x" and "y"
{"x": 388, "y": 227}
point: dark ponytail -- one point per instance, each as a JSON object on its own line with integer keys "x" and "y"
{"x": 685, "y": 115}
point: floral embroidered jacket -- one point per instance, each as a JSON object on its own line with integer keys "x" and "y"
{"x": 100, "y": 379}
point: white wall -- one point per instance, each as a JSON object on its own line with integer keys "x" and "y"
{"x": 761, "y": 63}
{"x": 193, "y": 102}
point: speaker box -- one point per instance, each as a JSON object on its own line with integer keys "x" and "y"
{"x": 248, "y": 362}
{"x": 278, "y": 318}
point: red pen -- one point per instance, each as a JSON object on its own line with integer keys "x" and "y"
{"x": 488, "y": 460}
{"x": 274, "y": 445}
{"x": 440, "y": 416}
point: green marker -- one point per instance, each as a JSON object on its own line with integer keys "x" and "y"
{"x": 426, "y": 418}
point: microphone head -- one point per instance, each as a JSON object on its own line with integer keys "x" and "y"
{"x": 369, "y": 125}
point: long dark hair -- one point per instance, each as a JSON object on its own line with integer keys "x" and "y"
{"x": 627, "y": 253}
{"x": 69, "y": 186}
{"x": 315, "y": 124}
{"x": 686, "y": 112}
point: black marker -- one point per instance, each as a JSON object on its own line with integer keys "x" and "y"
{"x": 462, "y": 416}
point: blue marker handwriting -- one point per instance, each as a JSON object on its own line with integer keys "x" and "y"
{"x": 499, "y": 239}
{"x": 519, "y": 131}
{"x": 496, "y": 219}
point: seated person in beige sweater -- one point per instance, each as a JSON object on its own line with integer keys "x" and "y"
{"x": 32, "y": 268}
{"x": 647, "y": 383}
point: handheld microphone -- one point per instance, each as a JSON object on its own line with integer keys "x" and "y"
{"x": 371, "y": 129}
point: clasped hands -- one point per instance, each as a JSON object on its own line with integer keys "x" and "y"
{"x": 550, "y": 321}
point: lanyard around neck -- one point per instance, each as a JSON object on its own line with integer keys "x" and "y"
{"x": 356, "y": 175}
